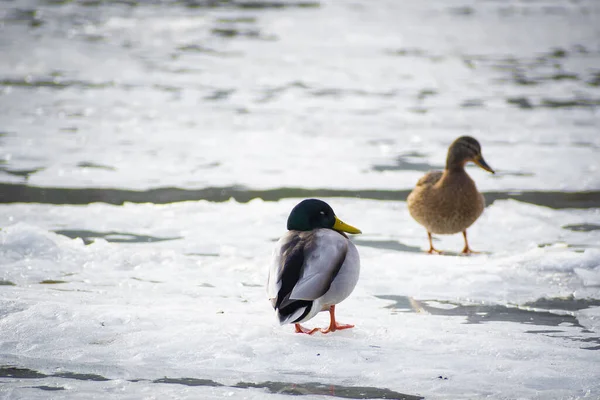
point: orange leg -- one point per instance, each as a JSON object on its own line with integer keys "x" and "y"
{"x": 431, "y": 248}
{"x": 333, "y": 325}
{"x": 467, "y": 249}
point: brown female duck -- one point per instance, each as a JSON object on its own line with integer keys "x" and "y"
{"x": 448, "y": 202}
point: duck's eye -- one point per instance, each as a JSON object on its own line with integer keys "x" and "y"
{"x": 322, "y": 212}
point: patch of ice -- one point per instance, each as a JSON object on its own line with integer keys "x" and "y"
{"x": 196, "y": 306}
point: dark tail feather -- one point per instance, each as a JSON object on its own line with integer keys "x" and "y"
{"x": 294, "y": 312}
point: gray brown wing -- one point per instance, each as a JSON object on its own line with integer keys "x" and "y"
{"x": 430, "y": 178}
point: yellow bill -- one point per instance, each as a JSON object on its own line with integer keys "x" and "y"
{"x": 339, "y": 225}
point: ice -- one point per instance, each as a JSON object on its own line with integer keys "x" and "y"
{"x": 354, "y": 87}
{"x": 196, "y": 306}
{"x": 149, "y": 103}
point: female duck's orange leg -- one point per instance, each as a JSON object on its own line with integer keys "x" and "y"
{"x": 467, "y": 249}
{"x": 431, "y": 248}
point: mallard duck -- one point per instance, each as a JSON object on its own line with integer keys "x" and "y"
{"x": 448, "y": 202}
{"x": 314, "y": 266}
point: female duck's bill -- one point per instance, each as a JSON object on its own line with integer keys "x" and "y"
{"x": 482, "y": 164}
{"x": 314, "y": 266}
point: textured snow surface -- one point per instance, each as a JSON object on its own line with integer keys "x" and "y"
{"x": 195, "y": 306}
{"x": 158, "y": 101}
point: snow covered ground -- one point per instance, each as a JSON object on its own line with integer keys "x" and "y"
{"x": 519, "y": 321}
{"x": 151, "y": 102}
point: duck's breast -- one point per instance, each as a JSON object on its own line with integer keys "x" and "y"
{"x": 450, "y": 206}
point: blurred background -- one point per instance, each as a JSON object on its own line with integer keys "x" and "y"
{"x": 248, "y": 96}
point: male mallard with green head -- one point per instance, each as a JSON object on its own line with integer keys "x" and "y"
{"x": 314, "y": 266}
{"x": 448, "y": 202}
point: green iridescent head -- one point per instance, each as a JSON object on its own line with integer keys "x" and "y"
{"x": 311, "y": 214}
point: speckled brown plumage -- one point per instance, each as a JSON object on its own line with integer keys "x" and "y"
{"x": 448, "y": 202}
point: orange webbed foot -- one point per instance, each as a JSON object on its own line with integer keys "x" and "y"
{"x": 336, "y": 327}
{"x": 331, "y": 328}
{"x": 333, "y": 325}
{"x": 434, "y": 251}
{"x": 467, "y": 251}
{"x": 301, "y": 329}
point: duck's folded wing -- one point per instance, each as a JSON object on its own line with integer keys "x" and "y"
{"x": 324, "y": 254}
{"x": 430, "y": 178}
{"x": 304, "y": 266}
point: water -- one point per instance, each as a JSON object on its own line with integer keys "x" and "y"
{"x": 107, "y": 89}
{"x": 150, "y": 152}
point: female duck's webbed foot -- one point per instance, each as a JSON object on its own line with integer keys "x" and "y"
{"x": 467, "y": 250}
{"x": 432, "y": 249}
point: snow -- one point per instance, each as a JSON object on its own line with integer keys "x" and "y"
{"x": 353, "y": 86}
{"x": 196, "y": 306}
{"x": 145, "y": 300}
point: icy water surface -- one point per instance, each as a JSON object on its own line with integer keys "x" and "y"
{"x": 150, "y": 152}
